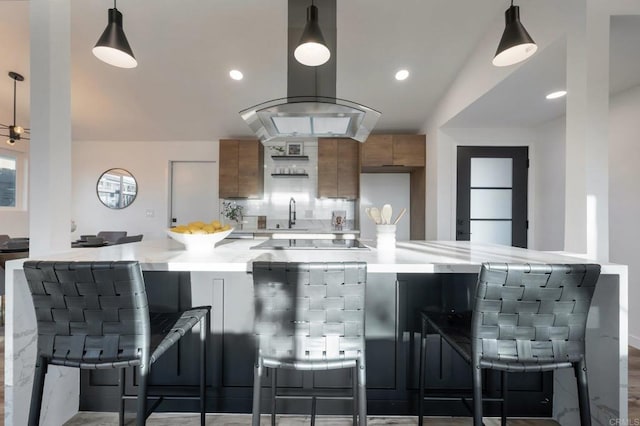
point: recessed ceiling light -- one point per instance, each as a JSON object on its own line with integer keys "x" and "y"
{"x": 556, "y": 95}
{"x": 402, "y": 75}
{"x": 235, "y": 74}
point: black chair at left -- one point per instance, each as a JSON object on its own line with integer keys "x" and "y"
{"x": 111, "y": 236}
{"x": 95, "y": 315}
{"x": 129, "y": 239}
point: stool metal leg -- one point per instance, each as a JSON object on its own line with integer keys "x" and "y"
{"x": 36, "y": 393}
{"x": 580, "y": 369}
{"x": 143, "y": 381}
{"x": 354, "y": 383}
{"x": 274, "y": 389}
{"x": 258, "y": 370}
{"x": 362, "y": 390}
{"x": 477, "y": 395}
{"x": 423, "y": 354}
{"x": 313, "y": 410}
{"x": 503, "y": 376}
{"x": 204, "y": 335}
{"x": 121, "y": 391}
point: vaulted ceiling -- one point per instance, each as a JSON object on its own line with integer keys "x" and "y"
{"x": 181, "y": 89}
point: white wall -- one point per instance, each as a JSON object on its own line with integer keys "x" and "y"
{"x": 624, "y": 197}
{"x": 447, "y": 170}
{"x": 624, "y": 203}
{"x": 549, "y": 160}
{"x": 478, "y": 76}
{"x": 149, "y": 164}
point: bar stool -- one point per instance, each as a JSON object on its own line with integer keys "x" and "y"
{"x": 310, "y": 316}
{"x": 526, "y": 318}
{"x": 94, "y": 315}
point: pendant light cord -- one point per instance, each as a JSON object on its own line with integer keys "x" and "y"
{"x": 14, "y": 102}
{"x": 114, "y": 4}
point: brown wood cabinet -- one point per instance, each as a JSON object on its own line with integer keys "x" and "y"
{"x": 241, "y": 168}
{"x": 393, "y": 151}
{"x": 377, "y": 151}
{"x": 338, "y": 168}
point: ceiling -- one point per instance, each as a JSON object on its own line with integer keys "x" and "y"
{"x": 185, "y": 49}
{"x": 519, "y": 100}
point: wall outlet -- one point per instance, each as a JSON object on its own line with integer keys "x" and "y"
{"x": 149, "y": 213}
{"x": 308, "y": 214}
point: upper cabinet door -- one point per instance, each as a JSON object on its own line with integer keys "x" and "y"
{"x": 241, "y": 168}
{"x": 377, "y": 151}
{"x": 393, "y": 151}
{"x": 250, "y": 169}
{"x": 409, "y": 150}
{"x": 327, "y": 168}
{"x": 228, "y": 169}
{"x": 348, "y": 169}
{"x": 338, "y": 169}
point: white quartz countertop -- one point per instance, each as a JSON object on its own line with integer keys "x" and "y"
{"x": 408, "y": 257}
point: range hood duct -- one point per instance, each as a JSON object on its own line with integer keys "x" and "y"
{"x": 311, "y": 108}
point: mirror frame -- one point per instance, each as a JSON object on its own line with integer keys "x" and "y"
{"x": 120, "y": 202}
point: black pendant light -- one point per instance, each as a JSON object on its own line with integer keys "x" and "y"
{"x": 16, "y": 132}
{"x": 312, "y": 49}
{"x": 516, "y": 44}
{"x": 112, "y": 46}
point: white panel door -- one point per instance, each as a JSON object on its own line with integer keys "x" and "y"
{"x": 194, "y": 192}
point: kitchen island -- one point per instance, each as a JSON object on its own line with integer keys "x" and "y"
{"x": 437, "y": 274}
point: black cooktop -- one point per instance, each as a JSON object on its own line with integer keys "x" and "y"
{"x": 310, "y": 244}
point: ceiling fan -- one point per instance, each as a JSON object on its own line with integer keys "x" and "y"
{"x": 16, "y": 132}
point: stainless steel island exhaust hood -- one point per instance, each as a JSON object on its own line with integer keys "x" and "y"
{"x": 311, "y": 108}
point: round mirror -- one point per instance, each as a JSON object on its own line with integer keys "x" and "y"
{"x": 117, "y": 188}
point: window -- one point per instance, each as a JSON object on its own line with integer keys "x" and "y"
{"x": 12, "y": 180}
{"x": 8, "y": 181}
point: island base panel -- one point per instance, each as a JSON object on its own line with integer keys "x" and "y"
{"x": 392, "y": 329}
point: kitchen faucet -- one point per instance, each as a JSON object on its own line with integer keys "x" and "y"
{"x": 292, "y": 212}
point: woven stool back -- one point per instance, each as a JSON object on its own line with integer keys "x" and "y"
{"x": 531, "y": 314}
{"x": 309, "y": 311}
{"x": 90, "y": 314}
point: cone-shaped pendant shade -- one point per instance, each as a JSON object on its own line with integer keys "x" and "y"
{"x": 312, "y": 50}
{"x": 112, "y": 46}
{"x": 516, "y": 44}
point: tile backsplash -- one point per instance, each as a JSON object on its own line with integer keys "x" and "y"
{"x": 312, "y": 212}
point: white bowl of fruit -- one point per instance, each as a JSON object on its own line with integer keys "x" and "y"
{"x": 200, "y": 236}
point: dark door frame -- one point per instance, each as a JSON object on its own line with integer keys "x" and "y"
{"x": 519, "y": 214}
